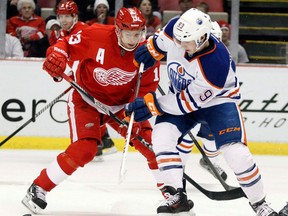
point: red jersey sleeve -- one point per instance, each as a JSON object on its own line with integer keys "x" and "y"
{"x": 39, "y": 23}
{"x": 150, "y": 80}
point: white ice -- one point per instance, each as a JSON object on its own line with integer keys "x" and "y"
{"x": 94, "y": 189}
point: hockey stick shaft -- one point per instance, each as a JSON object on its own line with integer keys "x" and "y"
{"x": 100, "y": 106}
{"x": 210, "y": 194}
{"x": 223, "y": 183}
{"x": 130, "y": 126}
{"x": 35, "y": 116}
{"x": 91, "y": 99}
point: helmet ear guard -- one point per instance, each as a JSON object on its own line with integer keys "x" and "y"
{"x": 216, "y": 30}
{"x": 191, "y": 26}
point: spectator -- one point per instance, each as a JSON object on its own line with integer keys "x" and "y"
{"x": 203, "y": 6}
{"x": 101, "y": 11}
{"x": 12, "y": 9}
{"x": 53, "y": 28}
{"x": 153, "y": 23}
{"x": 29, "y": 28}
{"x": 13, "y": 47}
{"x": 185, "y": 5}
{"x": 134, "y": 3}
{"x": 226, "y": 29}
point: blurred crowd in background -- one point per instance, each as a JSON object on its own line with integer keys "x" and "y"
{"x": 30, "y": 32}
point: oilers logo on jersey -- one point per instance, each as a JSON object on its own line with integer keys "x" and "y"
{"x": 179, "y": 77}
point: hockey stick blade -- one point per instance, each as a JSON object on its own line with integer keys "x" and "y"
{"x": 123, "y": 170}
{"x": 232, "y": 194}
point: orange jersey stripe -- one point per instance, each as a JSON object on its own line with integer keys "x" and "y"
{"x": 250, "y": 176}
{"x": 169, "y": 160}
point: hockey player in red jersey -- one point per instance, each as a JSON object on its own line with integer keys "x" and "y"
{"x": 67, "y": 15}
{"x": 107, "y": 72}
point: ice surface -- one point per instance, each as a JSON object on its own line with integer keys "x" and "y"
{"x": 94, "y": 189}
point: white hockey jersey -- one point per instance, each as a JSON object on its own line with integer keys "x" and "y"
{"x": 205, "y": 79}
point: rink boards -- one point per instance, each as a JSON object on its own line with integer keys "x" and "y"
{"x": 26, "y": 89}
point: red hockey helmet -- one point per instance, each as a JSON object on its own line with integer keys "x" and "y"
{"x": 67, "y": 7}
{"x": 130, "y": 19}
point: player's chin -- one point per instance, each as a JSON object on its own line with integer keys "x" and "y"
{"x": 131, "y": 46}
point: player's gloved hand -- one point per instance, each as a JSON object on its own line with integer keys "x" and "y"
{"x": 147, "y": 54}
{"x": 55, "y": 64}
{"x": 143, "y": 55}
{"x": 144, "y": 108}
{"x": 122, "y": 129}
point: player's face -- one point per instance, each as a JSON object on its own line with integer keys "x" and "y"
{"x": 188, "y": 46}
{"x": 130, "y": 39}
{"x": 66, "y": 21}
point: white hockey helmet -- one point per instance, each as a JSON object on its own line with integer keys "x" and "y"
{"x": 191, "y": 26}
{"x": 216, "y": 30}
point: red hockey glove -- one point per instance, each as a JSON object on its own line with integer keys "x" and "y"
{"x": 122, "y": 129}
{"x": 55, "y": 64}
{"x": 144, "y": 108}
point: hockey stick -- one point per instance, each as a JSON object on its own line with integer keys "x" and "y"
{"x": 35, "y": 116}
{"x": 128, "y": 135}
{"x": 97, "y": 104}
{"x": 222, "y": 195}
{"x": 223, "y": 183}
{"x": 231, "y": 194}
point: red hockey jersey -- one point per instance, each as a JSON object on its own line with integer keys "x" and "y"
{"x": 106, "y": 70}
{"x": 62, "y": 33}
{"x": 34, "y": 27}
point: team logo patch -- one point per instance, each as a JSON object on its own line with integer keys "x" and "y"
{"x": 113, "y": 76}
{"x": 199, "y": 21}
{"x": 179, "y": 76}
{"x": 89, "y": 125}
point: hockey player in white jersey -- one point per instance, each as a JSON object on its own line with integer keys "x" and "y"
{"x": 204, "y": 88}
{"x": 204, "y": 133}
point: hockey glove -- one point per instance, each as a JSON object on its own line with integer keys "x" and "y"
{"x": 55, "y": 64}
{"x": 122, "y": 129}
{"x": 147, "y": 55}
{"x": 144, "y": 108}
